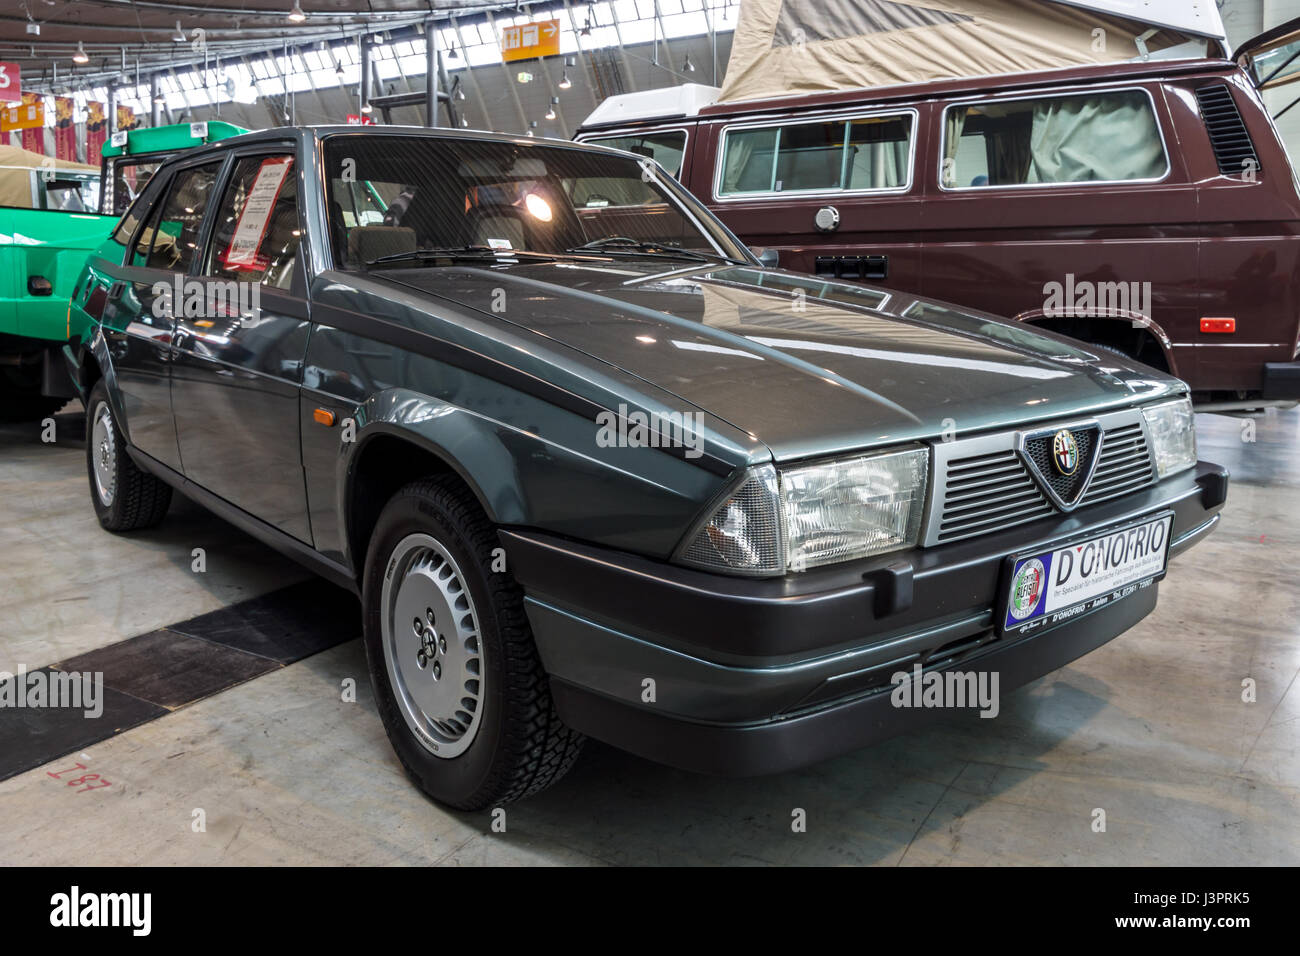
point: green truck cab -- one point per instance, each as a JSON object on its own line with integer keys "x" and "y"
{"x": 131, "y": 157}
{"x": 53, "y": 214}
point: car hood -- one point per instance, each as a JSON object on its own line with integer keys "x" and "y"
{"x": 808, "y": 367}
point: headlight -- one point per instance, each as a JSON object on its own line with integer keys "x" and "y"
{"x": 1172, "y": 429}
{"x": 811, "y": 515}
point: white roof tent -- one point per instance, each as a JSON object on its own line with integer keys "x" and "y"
{"x": 785, "y": 47}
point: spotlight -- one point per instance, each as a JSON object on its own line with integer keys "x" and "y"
{"x": 80, "y": 55}
{"x": 565, "y": 83}
{"x": 296, "y": 15}
{"x": 550, "y": 114}
{"x": 687, "y": 65}
{"x": 179, "y": 35}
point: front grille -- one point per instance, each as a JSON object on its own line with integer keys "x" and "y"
{"x": 988, "y": 492}
{"x": 1125, "y": 464}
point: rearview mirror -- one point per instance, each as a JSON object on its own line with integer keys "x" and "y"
{"x": 769, "y": 257}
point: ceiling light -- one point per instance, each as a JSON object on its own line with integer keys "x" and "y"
{"x": 179, "y": 35}
{"x": 687, "y": 65}
{"x": 452, "y": 54}
{"x": 80, "y": 55}
{"x": 367, "y": 108}
{"x": 296, "y": 15}
{"x": 538, "y": 207}
{"x": 565, "y": 83}
{"x": 550, "y": 114}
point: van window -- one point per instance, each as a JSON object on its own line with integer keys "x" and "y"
{"x": 1092, "y": 137}
{"x": 870, "y": 152}
{"x": 665, "y": 148}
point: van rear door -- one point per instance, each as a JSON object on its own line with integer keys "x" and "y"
{"x": 1272, "y": 59}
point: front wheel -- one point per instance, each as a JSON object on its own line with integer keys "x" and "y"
{"x": 457, "y": 677}
{"x": 125, "y": 498}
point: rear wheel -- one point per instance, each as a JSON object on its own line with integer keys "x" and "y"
{"x": 457, "y": 677}
{"x": 125, "y": 498}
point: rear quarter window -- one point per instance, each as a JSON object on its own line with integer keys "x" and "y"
{"x": 1108, "y": 137}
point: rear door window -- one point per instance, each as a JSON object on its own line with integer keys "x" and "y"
{"x": 860, "y": 155}
{"x": 1093, "y": 137}
{"x": 176, "y": 234}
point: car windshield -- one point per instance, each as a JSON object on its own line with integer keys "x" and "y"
{"x": 399, "y": 198}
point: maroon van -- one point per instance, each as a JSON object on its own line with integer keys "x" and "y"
{"x": 1145, "y": 207}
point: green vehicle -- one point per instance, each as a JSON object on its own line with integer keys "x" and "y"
{"x": 131, "y": 157}
{"x": 53, "y": 214}
{"x": 48, "y": 225}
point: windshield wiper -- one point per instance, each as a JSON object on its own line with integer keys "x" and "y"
{"x": 456, "y": 252}
{"x": 644, "y": 247}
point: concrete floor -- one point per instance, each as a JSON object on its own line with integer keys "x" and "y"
{"x": 1150, "y": 728}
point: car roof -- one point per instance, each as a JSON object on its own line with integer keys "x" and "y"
{"x": 278, "y": 134}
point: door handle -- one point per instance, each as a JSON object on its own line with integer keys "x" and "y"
{"x": 115, "y": 290}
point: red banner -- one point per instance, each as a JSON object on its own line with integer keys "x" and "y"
{"x": 34, "y": 136}
{"x": 10, "y": 83}
{"x": 96, "y": 132}
{"x": 65, "y": 129}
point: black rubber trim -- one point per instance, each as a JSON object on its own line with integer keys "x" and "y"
{"x": 786, "y": 744}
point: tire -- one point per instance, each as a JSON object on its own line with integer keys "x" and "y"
{"x": 125, "y": 498}
{"x": 483, "y": 732}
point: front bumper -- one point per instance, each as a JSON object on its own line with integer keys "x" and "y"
{"x": 757, "y": 676}
{"x": 1281, "y": 381}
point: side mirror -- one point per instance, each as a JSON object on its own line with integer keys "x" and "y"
{"x": 769, "y": 257}
{"x": 39, "y": 285}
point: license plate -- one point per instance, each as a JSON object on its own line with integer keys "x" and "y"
{"x": 1052, "y": 587}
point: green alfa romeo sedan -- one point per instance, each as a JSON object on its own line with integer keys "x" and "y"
{"x": 595, "y": 471}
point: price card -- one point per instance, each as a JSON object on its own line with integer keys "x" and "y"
{"x": 256, "y": 215}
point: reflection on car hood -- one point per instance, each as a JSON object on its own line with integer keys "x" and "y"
{"x": 804, "y": 365}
